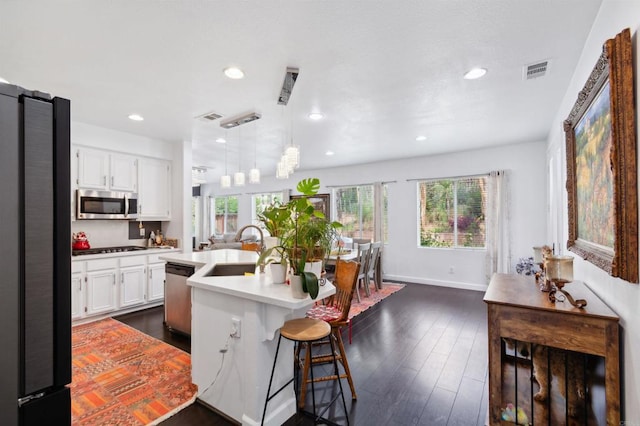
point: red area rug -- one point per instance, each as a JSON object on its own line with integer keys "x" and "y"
{"x": 376, "y": 296}
{"x": 124, "y": 377}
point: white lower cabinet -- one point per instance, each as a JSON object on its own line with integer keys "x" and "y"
{"x": 101, "y": 291}
{"x": 77, "y": 304}
{"x": 115, "y": 284}
{"x": 155, "y": 290}
{"x": 132, "y": 285}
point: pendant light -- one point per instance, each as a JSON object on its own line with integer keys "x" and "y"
{"x": 225, "y": 181}
{"x": 238, "y": 177}
{"x": 282, "y": 169}
{"x": 254, "y": 174}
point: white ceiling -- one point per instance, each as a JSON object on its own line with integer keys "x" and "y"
{"x": 382, "y": 72}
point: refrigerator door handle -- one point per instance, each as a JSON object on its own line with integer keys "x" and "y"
{"x": 28, "y": 398}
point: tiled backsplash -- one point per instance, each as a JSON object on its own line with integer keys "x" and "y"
{"x": 109, "y": 233}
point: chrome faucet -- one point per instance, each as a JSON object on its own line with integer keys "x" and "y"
{"x": 261, "y": 249}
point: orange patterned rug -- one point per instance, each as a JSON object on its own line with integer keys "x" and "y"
{"x": 124, "y": 377}
{"x": 376, "y": 296}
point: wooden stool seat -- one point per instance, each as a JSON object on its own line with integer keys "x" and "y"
{"x": 305, "y": 329}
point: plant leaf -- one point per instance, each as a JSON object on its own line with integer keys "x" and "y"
{"x": 309, "y": 186}
{"x": 310, "y": 281}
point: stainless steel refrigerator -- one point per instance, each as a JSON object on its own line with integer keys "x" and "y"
{"x": 35, "y": 258}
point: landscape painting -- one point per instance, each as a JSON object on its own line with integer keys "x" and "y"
{"x": 594, "y": 179}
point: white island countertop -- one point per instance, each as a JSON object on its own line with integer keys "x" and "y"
{"x": 259, "y": 287}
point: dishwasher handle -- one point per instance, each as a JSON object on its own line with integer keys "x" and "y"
{"x": 177, "y": 269}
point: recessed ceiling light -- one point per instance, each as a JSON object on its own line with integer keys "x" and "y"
{"x": 329, "y": 153}
{"x": 221, "y": 140}
{"x": 136, "y": 117}
{"x": 421, "y": 138}
{"x": 2, "y": 80}
{"x": 475, "y": 73}
{"x": 316, "y": 116}
{"x": 234, "y": 73}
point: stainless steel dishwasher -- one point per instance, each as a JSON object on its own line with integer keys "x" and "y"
{"x": 177, "y": 298}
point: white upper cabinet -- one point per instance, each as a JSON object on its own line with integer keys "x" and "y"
{"x": 154, "y": 189}
{"x": 123, "y": 171}
{"x": 102, "y": 170}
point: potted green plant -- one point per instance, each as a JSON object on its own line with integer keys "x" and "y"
{"x": 305, "y": 235}
{"x": 309, "y": 238}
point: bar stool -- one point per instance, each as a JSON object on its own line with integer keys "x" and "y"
{"x": 305, "y": 331}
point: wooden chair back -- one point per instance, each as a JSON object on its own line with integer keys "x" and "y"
{"x": 345, "y": 282}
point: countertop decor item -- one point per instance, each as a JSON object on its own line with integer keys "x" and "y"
{"x": 80, "y": 241}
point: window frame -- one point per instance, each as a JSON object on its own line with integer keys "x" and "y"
{"x": 212, "y": 214}
{"x": 455, "y": 179}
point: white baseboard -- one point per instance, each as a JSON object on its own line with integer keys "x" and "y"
{"x": 439, "y": 283}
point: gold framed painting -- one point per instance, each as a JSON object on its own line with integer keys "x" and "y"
{"x": 600, "y": 136}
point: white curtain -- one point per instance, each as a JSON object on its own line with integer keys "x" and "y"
{"x": 498, "y": 222}
{"x": 378, "y": 199}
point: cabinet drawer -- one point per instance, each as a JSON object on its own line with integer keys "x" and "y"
{"x": 154, "y": 258}
{"x": 98, "y": 264}
{"x": 133, "y": 260}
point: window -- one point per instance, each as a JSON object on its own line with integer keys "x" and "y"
{"x": 224, "y": 214}
{"x": 452, "y": 212}
{"x": 354, "y": 210}
{"x": 260, "y": 201}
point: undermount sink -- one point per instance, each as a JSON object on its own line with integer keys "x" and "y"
{"x": 221, "y": 270}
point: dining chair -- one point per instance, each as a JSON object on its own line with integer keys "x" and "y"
{"x": 373, "y": 266}
{"x": 336, "y": 312}
{"x": 363, "y": 258}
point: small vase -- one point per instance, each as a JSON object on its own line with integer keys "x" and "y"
{"x": 296, "y": 287}
{"x": 278, "y": 272}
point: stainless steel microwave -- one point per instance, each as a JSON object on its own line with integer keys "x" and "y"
{"x": 106, "y": 205}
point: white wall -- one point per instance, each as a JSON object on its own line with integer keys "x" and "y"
{"x": 621, "y": 296}
{"x": 403, "y": 259}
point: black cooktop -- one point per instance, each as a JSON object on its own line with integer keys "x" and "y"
{"x": 102, "y": 250}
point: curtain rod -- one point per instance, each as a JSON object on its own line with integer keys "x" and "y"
{"x": 360, "y": 184}
{"x": 266, "y": 192}
{"x": 448, "y": 177}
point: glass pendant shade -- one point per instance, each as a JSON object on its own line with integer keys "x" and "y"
{"x": 238, "y": 179}
{"x": 293, "y": 156}
{"x": 254, "y": 175}
{"x": 282, "y": 172}
{"x": 225, "y": 181}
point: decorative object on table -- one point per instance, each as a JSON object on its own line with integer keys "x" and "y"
{"x": 513, "y": 415}
{"x": 539, "y": 256}
{"x": 525, "y": 266}
{"x": 122, "y": 376}
{"x": 80, "y": 241}
{"x": 601, "y": 164}
{"x": 560, "y": 272}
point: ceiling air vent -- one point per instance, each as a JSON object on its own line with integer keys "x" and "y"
{"x": 539, "y": 69}
{"x": 210, "y": 116}
{"x": 287, "y": 85}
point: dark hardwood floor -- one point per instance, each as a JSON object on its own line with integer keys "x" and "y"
{"x": 418, "y": 358}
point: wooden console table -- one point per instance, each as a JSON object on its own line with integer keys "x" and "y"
{"x": 517, "y": 309}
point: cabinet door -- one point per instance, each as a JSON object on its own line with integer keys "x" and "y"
{"x": 101, "y": 291}
{"x": 154, "y": 189}
{"x": 123, "y": 173}
{"x": 93, "y": 168}
{"x": 155, "y": 290}
{"x": 77, "y": 307}
{"x": 132, "y": 285}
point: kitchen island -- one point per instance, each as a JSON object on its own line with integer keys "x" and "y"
{"x": 234, "y": 324}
